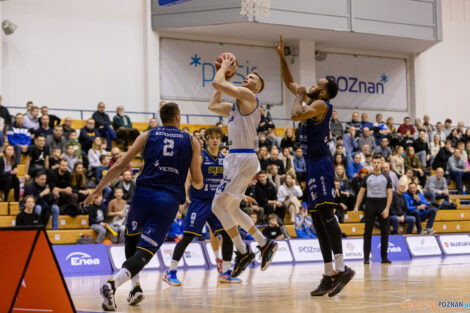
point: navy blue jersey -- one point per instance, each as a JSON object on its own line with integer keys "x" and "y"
{"x": 167, "y": 157}
{"x": 314, "y": 136}
{"x": 212, "y": 171}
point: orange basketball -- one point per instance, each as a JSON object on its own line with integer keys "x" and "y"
{"x": 107, "y": 242}
{"x": 218, "y": 63}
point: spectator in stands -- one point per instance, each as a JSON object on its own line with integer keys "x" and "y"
{"x": 399, "y": 209}
{"x": 339, "y": 159}
{"x": 19, "y": 137}
{"x": 461, "y": 129}
{"x": 461, "y": 147}
{"x": 340, "y": 175}
{"x": 31, "y": 120}
{"x": 438, "y": 130}
{"x": 407, "y": 178}
{"x": 354, "y": 167}
{"x": 393, "y": 177}
{"x": 405, "y": 127}
{"x": 467, "y": 136}
{"x": 271, "y": 138}
{"x": 389, "y": 123}
{"x": 262, "y": 154}
{"x": 265, "y": 122}
{"x": 67, "y": 127}
{"x": 117, "y": 209}
{"x": 94, "y": 156}
{"x": 29, "y": 105}
{"x": 335, "y": 125}
{"x": 381, "y": 130}
{"x": 273, "y": 176}
{"x": 397, "y": 161}
{"x": 38, "y": 157}
{"x": 367, "y": 163}
{"x": 435, "y": 146}
{"x": 5, "y": 115}
{"x": 60, "y": 181}
{"x": 54, "y": 159}
{"x": 177, "y": 229}
{"x": 286, "y": 158}
{"x": 436, "y": 187}
{"x": 128, "y": 185}
{"x": 252, "y": 208}
{"x": 266, "y": 196}
{"x": 354, "y": 122}
{"x": 384, "y": 148}
{"x": 87, "y": 135}
{"x": 458, "y": 170}
{"x": 98, "y": 214}
{"x": 447, "y": 127}
{"x": 288, "y": 140}
{"x": 103, "y": 168}
{"x": 364, "y": 151}
{"x": 274, "y": 159}
{"x": 428, "y": 127}
{"x": 44, "y": 128}
{"x": 103, "y": 124}
{"x": 125, "y": 132}
{"x": 8, "y": 173}
{"x": 45, "y": 205}
{"x": 77, "y": 147}
{"x": 365, "y": 123}
{"x": 289, "y": 194}
{"x": 443, "y": 155}
{"x": 304, "y": 225}
{"x": 366, "y": 139}
{"x": 340, "y": 201}
{"x": 152, "y": 124}
{"x": 413, "y": 162}
{"x": 454, "y": 137}
{"x": 57, "y": 140}
{"x": 53, "y": 119}
{"x": 421, "y": 148}
{"x": 419, "y": 208}
{"x": 79, "y": 182}
{"x": 224, "y": 137}
{"x": 70, "y": 157}
{"x": 350, "y": 142}
{"x": 356, "y": 183}
{"x": 262, "y": 142}
{"x": 273, "y": 230}
{"x": 28, "y": 217}
{"x": 116, "y": 155}
{"x": 299, "y": 164}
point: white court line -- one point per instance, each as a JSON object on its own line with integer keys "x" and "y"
{"x": 366, "y": 306}
{"x": 33, "y": 310}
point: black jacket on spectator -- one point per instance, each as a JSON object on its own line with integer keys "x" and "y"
{"x": 263, "y": 193}
{"x": 101, "y": 119}
{"x": 45, "y": 202}
{"x": 8, "y": 180}
{"x": 272, "y": 232}
{"x": 441, "y": 159}
{"x": 54, "y": 120}
{"x": 25, "y": 219}
{"x": 287, "y": 142}
{"x": 420, "y": 146}
{"x": 94, "y": 214}
{"x": 278, "y": 162}
{"x": 38, "y": 158}
{"x": 5, "y": 114}
{"x": 264, "y": 124}
{"x": 398, "y": 206}
{"x": 66, "y": 202}
{"x": 127, "y": 194}
{"x": 67, "y": 131}
{"x": 86, "y": 138}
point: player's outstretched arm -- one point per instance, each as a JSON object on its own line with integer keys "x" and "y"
{"x": 118, "y": 167}
{"x": 300, "y": 112}
{"x": 286, "y": 74}
{"x": 195, "y": 167}
{"x": 219, "y": 107}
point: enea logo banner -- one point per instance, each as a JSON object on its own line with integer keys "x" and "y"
{"x": 83, "y": 259}
{"x": 366, "y": 82}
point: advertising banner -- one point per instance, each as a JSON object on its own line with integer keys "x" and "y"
{"x": 77, "y": 260}
{"x": 423, "y": 246}
{"x": 455, "y": 244}
{"x": 397, "y": 249}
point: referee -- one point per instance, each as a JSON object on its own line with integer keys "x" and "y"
{"x": 378, "y": 201}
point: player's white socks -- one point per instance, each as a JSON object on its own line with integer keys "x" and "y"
{"x": 259, "y": 237}
{"x": 339, "y": 262}
{"x": 135, "y": 279}
{"x": 239, "y": 244}
{"x": 226, "y": 265}
{"x": 217, "y": 253}
{"x": 328, "y": 268}
{"x": 121, "y": 277}
{"x": 174, "y": 265}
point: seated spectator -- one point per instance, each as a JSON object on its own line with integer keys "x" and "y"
{"x": 67, "y": 127}
{"x": 428, "y": 127}
{"x": 393, "y": 177}
{"x": 87, "y": 135}
{"x": 381, "y": 130}
{"x": 77, "y": 147}
{"x": 397, "y": 161}
{"x": 389, "y": 123}
{"x": 366, "y": 139}
{"x": 5, "y": 121}
{"x": 61, "y": 183}
{"x": 45, "y": 203}
{"x": 29, "y": 106}
{"x": 79, "y": 182}
{"x": 340, "y": 201}
{"x": 354, "y": 166}
{"x": 273, "y": 176}
{"x": 94, "y": 156}
{"x": 304, "y": 225}
{"x": 447, "y": 127}
{"x": 103, "y": 124}
{"x": 273, "y": 230}
{"x": 356, "y": 184}
{"x": 274, "y": 159}
{"x": 271, "y": 138}
{"x": 288, "y": 140}
{"x": 461, "y": 147}
{"x": 38, "y": 157}
{"x": 335, "y": 125}
{"x": 405, "y": 127}
{"x": 436, "y": 187}
{"x": 399, "y": 210}
{"x": 419, "y": 208}
{"x": 458, "y": 170}
{"x": 266, "y": 196}
{"x": 28, "y": 217}
{"x": 340, "y": 174}
{"x": 299, "y": 164}
{"x": 413, "y": 162}
{"x": 19, "y": 137}
{"x": 118, "y": 209}
{"x": 407, "y": 178}
{"x": 116, "y": 155}
{"x": 8, "y": 173}
{"x": 128, "y": 185}
{"x": 185, "y": 129}
{"x": 439, "y": 131}
{"x": 265, "y": 122}
{"x": 152, "y": 124}
{"x": 53, "y": 119}
{"x": 435, "y": 146}
{"x": 364, "y": 151}
{"x": 54, "y": 159}
{"x": 70, "y": 157}
{"x": 355, "y": 123}
{"x": 286, "y": 158}
{"x": 384, "y": 148}
{"x": 31, "y": 120}
{"x": 252, "y": 208}
{"x": 57, "y": 140}
{"x": 289, "y": 194}
{"x": 44, "y": 128}
{"x": 421, "y": 148}
{"x": 350, "y": 142}
{"x": 97, "y": 215}
{"x": 339, "y": 160}
{"x": 365, "y": 123}
{"x": 102, "y": 170}
{"x": 454, "y": 137}
{"x": 443, "y": 156}
{"x": 367, "y": 163}
{"x": 262, "y": 142}
{"x": 122, "y": 124}
{"x": 177, "y": 229}
{"x": 224, "y": 137}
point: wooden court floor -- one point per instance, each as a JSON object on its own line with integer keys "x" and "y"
{"x": 286, "y": 288}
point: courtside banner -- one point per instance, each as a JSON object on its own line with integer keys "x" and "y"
{"x": 366, "y": 82}
{"x": 397, "y": 249}
{"x": 187, "y": 69}
{"x": 353, "y": 249}
{"x": 423, "y": 246}
{"x": 306, "y": 250}
{"x": 78, "y": 260}
{"x": 211, "y": 262}
{"x": 283, "y": 253}
{"x": 117, "y": 256}
{"x": 194, "y": 255}
{"x": 455, "y": 244}
{"x": 167, "y": 254}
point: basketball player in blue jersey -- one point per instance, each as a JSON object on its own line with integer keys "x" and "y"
{"x": 200, "y": 211}
{"x": 314, "y": 119}
{"x": 168, "y": 154}
{"x": 241, "y": 165}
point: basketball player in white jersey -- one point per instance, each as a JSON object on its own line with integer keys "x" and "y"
{"x": 241, "y": 165}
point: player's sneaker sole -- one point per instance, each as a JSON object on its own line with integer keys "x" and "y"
{"x": 244, "y": 263}
{"x": 135, "y": 296}
{"x": 341, "y": 281}
{"x": 230, "y": 280}
{"x": 106, "y": 291}
{"x": 270, "y": 259}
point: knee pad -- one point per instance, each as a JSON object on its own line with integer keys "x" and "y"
{"x": 137, "y": 262}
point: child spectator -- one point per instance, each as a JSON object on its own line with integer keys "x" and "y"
{"x": 8, "y": 173}
{"x": 117, "y": 209}
{"x": 77, "y": 147}
{"x": 54, "y": 160}
{"x": 97, "y": 217}
{"x": 289, "y": 194}
{"x": 273, "y": 230}
{"x": 299, "y": 164}
{"x": 28, "y": 217}
{"x": 94, "y": 156}
{"x": 304, "y": 225}
{"x": 103, "y": 168}
{"x": 177, "y": 229}
{"x": 70, "y": 157}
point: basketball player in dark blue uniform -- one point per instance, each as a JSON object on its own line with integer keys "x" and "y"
{"x": 314, "y": 120}
{"x": 200, "y": 211}
{"x": 168, "y": 154}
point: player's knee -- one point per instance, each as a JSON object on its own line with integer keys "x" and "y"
{"x": 137, "y": 262}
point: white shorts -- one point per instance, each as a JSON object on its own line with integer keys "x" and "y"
{"x": 239, "y": 170}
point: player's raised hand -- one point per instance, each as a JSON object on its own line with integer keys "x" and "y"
{"x": 92, "y": 197}
{"x": 249, "y": 200}
{"x": 227, "y": 61}
{"x": 301, "y": 91}
{"x": 280, "y": 46}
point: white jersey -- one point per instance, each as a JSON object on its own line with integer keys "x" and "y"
{"x": 242, "y": 129}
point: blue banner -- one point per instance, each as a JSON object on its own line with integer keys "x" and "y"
{"x": 77, "y": 260}
{"x": 397, "y": 248}
{"x": 171, "y": 2}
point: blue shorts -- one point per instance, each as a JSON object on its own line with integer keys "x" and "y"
{"x": 151, "y": 215}
{"x": 200, "y": 212}
{"x": 320, "y": 178}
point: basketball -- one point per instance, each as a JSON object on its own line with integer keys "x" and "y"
{"x": 218, "y": 63}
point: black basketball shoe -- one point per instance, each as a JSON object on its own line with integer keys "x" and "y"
{"x": 136, "y": 295}
{"x": 242, "y": 261}
{"x": 325, "y": 286}
{"x": 341, "y": 279}
{"x": 107, "y": 292}
{"x": 267, "y": 253}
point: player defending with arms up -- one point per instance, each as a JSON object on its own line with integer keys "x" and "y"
{"x": 168, "y": 153}
{"x": 241, "y": 165}
{"x": 314, "y": 136}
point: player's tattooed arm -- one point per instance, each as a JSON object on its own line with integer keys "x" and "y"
{"x": 300, "y": 112}
{"x": 286, "y": 74}
{"x": 218, "y": 106}
{"x": 195, "y": 167}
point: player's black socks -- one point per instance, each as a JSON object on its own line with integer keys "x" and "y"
{"x": 322, "y": 237}
{"x": 331, "y": 226}
{"x": 137, "y": 262}
{"x": 131, "y": 245}
{"x": 227, "y": 246}
{"x": 181, "y": 246}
